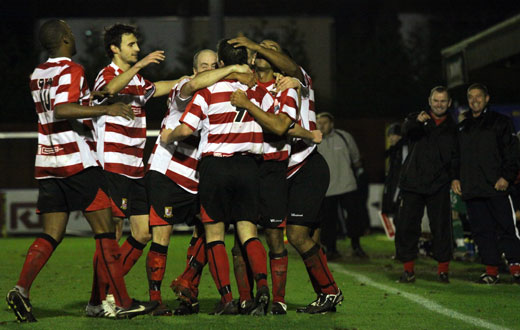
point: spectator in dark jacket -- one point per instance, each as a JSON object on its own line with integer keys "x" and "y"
{"x": 425, "y": 181}
{"x": 489, "y": 164}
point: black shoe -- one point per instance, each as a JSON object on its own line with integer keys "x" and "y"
{"x": 162, "y": 310}
{"x": 444, "y": 278}
{"x": 325, "y": 303}
{"x": 245, "y": 307}
{"x": 229, "y": 308}
{"x": 261, "y": 302}
{"x": 278, "y": 308}
{"x": 20, "y": 306}
{"x": 487, "y": 279}
{"x": 186, "y": 308}
{"x": 515, "y": 279}
{"x": 407, "y": 277}
{"x": 137, "y": 308}
{"x": 360, "y": 253}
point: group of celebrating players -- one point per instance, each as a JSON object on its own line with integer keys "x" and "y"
{"x": 237, "y": 146}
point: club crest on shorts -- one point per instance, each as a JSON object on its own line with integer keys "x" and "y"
{"x": 168, "y": 212}
{"x": 124, "y": 203}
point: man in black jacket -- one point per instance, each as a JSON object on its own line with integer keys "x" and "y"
{"x": 489, "y": 164}
{"x": 425, "y": 181}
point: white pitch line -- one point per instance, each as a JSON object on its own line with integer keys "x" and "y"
{"x": 433, "y": 306}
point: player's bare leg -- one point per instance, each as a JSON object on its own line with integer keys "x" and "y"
{"x": 257, "y": 259}
{"x": 54, "y": 225}
{"x": 156, "y": 266}
{"x": 118, "y": 222}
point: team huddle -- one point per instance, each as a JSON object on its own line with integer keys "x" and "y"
{"x": 237, "y": 146}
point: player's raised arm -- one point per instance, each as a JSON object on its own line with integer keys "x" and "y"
{"x": 120, "y": 81}
{"x": 208, "y": 78}
{"x": 278, "y": 59}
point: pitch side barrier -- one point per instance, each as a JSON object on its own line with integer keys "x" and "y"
{"x": 18, "y": 204}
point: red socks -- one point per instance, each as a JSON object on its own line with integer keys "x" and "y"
{"x": 316, "y": 264}
{"x": 242, "y": 274}
{"x": 443, "y": 267}
{"x": 109, "y": 267}
{"x": 39, "y": 252}
{"x": 195, "y": 262}
{"x": 492, "y": 270}
{"x": 408, "y": 266}
{"x": 278, "y": 263}
{"x": 155, "y": 267}
{"x": 219, "y": 268}
{"x": 131, "y": 250}
{"x": 257, "y": 258}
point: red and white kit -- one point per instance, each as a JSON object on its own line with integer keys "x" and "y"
{"x": 225, "y": 129}
{"x": 120, "y": 141}
{"x": 276, "y": 147}
{"x": 301, "y": 148}
{"x": 178, "y": 160}
{"x": 65, "y": 146}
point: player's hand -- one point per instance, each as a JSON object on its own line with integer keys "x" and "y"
{"x": 283, "y": 82}
{"x": 248, "y": 79}
{"x": 244, "y": 42}
{"x": 501, "y": 184}
{"x": 239, "y": 99}
{"x": 242, "y": 68}
{"x": 455, "y": 186}
{"x": 317, "y": 136}
{"x": 99, "y": 95}
{"x": 120, "y": 109}
{"x": 423, "y": 116}
{"x": 165, "y": 134}
{"x": 154, "y": 57}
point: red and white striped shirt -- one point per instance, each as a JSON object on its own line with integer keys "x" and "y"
{"x": 120, "y": 141}
{"x": 65, "y": 146}
{"x": 300, "y": 148}
{"x": 278, "y": 147}
{"x": 178, "y": 161}
{"x": 225, "y": 129}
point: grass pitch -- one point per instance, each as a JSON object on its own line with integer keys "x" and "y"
{"x": 373, "y": 300}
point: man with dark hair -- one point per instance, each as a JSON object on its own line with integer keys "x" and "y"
{"x": 172, "y": 186}
{"x": 425, "y": 181}
{"x": 231, "y": 142}
{"x": 489, "y": 164}
{"x": 120, "y": 141}
{"x": 308, "y": 176}
{"x": 276, "y": 123}
{"x": 68, "y": 173}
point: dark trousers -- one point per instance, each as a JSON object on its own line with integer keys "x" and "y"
{"x": 329, "y": 214}
{"x": 493, "y": 227}
{"x": 408, "y": 228}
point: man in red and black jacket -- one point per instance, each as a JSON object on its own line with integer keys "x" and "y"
{"x": 425, "y": 180}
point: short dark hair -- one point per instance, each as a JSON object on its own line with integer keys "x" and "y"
{"x": 440, "y": 89}
{"x": 230, "y": 55}
{"x": 114, "y": 35}
{"x": 479, "y": 86}
{"x": 325, "y": 114}
{"x": 51, "y": 33}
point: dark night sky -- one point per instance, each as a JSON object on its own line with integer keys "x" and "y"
{"x": 376, "y": 19}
